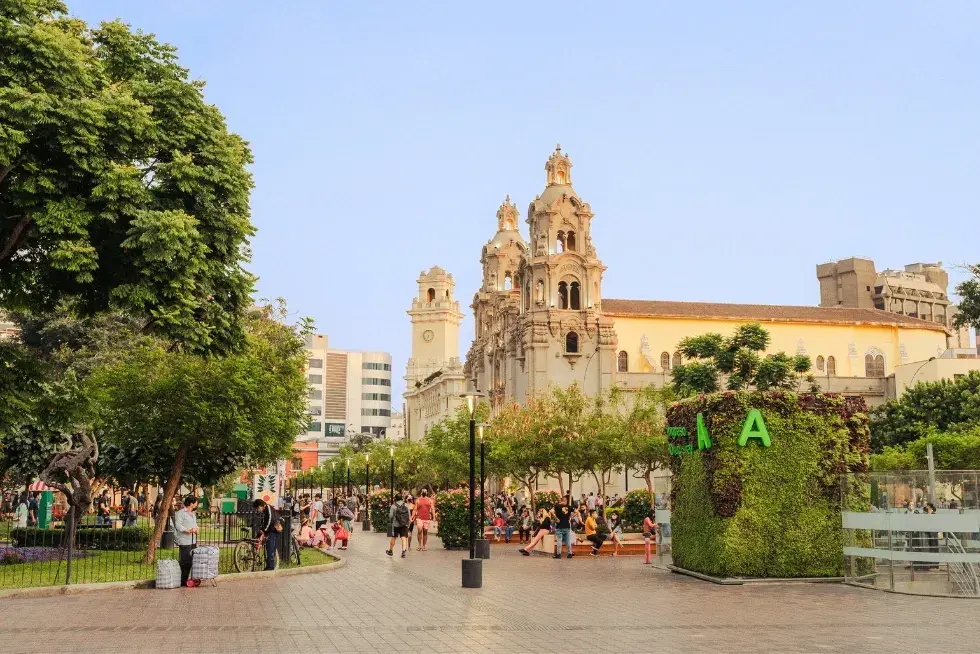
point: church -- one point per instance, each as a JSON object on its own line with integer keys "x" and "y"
{"x": 541, "y": 320}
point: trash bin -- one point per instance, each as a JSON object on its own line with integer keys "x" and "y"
{"x": 229, "y": 504}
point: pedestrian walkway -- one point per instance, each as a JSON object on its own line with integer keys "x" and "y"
{"x": 381, "y": 604}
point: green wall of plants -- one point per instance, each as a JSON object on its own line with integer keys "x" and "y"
{"x": 758, "y": 511}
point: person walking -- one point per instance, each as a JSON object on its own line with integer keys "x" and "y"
{"x": 649, "y": 534}
{"x": 544, "y": 528}
{"x": 563, "y": 527}
{"x": 269, "y": 529}
{"x": 425, "y": 515}
{"x": 340, "y": 535}
{"x": 399, "y": 515}
{"x": 185, "y": 535}
{"x": 316, "y": 511}
{"x": 592, "y": 534}
{"x": 410, "y": 501}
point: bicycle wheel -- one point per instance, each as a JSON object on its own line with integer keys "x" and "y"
{"x": 244, "y": 558}
{"x": 294, "y": 554}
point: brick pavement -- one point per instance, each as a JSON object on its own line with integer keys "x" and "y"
{"x": 377, "y": 604}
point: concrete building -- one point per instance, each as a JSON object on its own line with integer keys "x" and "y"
{"x": 918, "y": 291}
{"x": 952, "y": 365}
{"x": 434, "y": 375}
{"x": 7, "y": 328}
{"x": 350, "y": 393}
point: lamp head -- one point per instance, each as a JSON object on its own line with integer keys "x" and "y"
{"x": 471, "y": 397}
{"x": 479, "y": 429}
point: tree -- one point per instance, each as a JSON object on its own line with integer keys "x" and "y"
{"x": 119, "y": 185}
{"x": 187, "y": 418}
{"x": 943, "y": 406}
{"x": 968, "y": 311}
{"x": 603, "y": 443}
{"x": 566, "y": 411}
{"x": 520, "y": 442}
{"x": 952, "y": 451}
{"x": 646, "y": 436}
{"x": 448, "y": 444}
{"x": 738, "y": 358}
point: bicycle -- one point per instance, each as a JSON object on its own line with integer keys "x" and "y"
{"x": 249, "y": 555}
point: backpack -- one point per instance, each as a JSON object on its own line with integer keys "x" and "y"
{"x": 402, "y": 515}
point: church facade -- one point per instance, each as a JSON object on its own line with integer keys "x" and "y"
{"x": 541, "y": 319}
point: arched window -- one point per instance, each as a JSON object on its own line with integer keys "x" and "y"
{"x": 831, "y": 366}
{"x": 508, "y": 282}
{"x": 447, "y": 293}
{"x": 570, "y": 241}
{"x": 431, "y": 295}
{"x": 560, "y": 177}
{"x": 622, "y": 361}
{"x": 874, "y": 365}
{"x": 571, "y": 343}
{"x": 573, "y": 296}
{"x": 562, "y": 295}
{"x": 820, "y": 363}
{"x": 665, "y": 361}
{"x": 677, "y": 359}
{"x": 560, "y": 245}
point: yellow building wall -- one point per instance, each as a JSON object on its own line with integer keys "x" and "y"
{"x": 664, "y": 334}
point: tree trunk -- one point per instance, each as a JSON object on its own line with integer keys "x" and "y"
{"x": 173, "y": 483}
{"x": 561, "y": 485}
{"x": 648, "y": 478}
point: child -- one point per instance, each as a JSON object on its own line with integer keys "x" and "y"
{"x": 340, "y": 536}
{"x": 649, "y": 534}
{"x": 498, "y": 527}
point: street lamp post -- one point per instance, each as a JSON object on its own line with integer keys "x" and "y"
{"x": 472, "y": 567}
{"x": 482, "y": 544}
{"x": 348, "y": 476}
{"x": 366, "y": 525}
{"x": 392, "y": 480}
{"x": 333, "y": 486}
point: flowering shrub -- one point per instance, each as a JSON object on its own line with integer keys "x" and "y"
{"x": 452, "y": 507}
{"x": 636, "y": 507}
{"x": 545, "y": 499}
{"x": 380, "y": 504}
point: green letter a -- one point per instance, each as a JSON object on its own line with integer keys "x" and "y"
{"x": 754, "y": 427}
{"x": 704, "y": 439}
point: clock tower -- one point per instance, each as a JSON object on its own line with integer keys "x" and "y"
{"x": 435, "y": 319}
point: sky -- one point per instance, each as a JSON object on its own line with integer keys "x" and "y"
{"x": 725, "y": 148}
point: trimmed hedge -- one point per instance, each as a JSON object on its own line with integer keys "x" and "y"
{"x": 103, "y": 539}
{"x": 758, "y": 511}
{"x": 636, "y": 508}
{"x": 452, "y": 507}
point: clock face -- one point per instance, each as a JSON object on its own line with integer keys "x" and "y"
{"x": 428, "y": 335}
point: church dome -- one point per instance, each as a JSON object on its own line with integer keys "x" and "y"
{"x": 502, "y": 239}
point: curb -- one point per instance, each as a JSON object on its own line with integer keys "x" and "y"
{"x": 739, "y": 581}
{"x": 79, "y": 589}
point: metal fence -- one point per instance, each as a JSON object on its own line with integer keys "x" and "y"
{"x": 35, "y": 550}
{"x": 917, "y": 532}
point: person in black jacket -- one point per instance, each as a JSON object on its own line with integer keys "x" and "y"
{"x": 269, "y": 528}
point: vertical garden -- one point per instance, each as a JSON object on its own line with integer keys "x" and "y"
{"x": 756, "y": 489}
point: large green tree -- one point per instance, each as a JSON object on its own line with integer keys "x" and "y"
{"x": 944, "y": 406}
{"x": 739, "y": 357}
{"x": 968, "y": 310}
{"x": 952, "y": 451}
{"x": 188, "y": 418}
{"x": 120, "y": 186}
{"x": 645, "y": 439}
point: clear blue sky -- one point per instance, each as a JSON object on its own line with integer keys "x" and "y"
{"x": 725, "y": 148}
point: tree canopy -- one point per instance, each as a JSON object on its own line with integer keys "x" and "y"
{"x": 927, "y": 407}
{"x": 952, "y": 451}
{"x": 739, "y": 358}
{"x": 120, "y": 186}
{"x": 968, "y": 310}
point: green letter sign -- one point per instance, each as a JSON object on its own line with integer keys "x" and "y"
{"x": 754, "y": 427}
{"x": 704, "y": 439}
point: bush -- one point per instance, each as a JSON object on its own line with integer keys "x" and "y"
{"x": 452, "y": 507}
{"x": 545, "y": 499}
{"x": 636, "y": 508}
{"x": 380, "y": 506}
{"x": 757, "y": 511}
{"x": 93, "y": 538}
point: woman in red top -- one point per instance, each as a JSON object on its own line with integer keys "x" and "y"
{"x": 425, "y": 515}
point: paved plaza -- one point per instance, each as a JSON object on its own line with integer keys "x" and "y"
{"x": 379, "y": 604}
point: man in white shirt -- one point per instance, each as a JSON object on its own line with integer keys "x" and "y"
{"x": 185, "y": 534}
